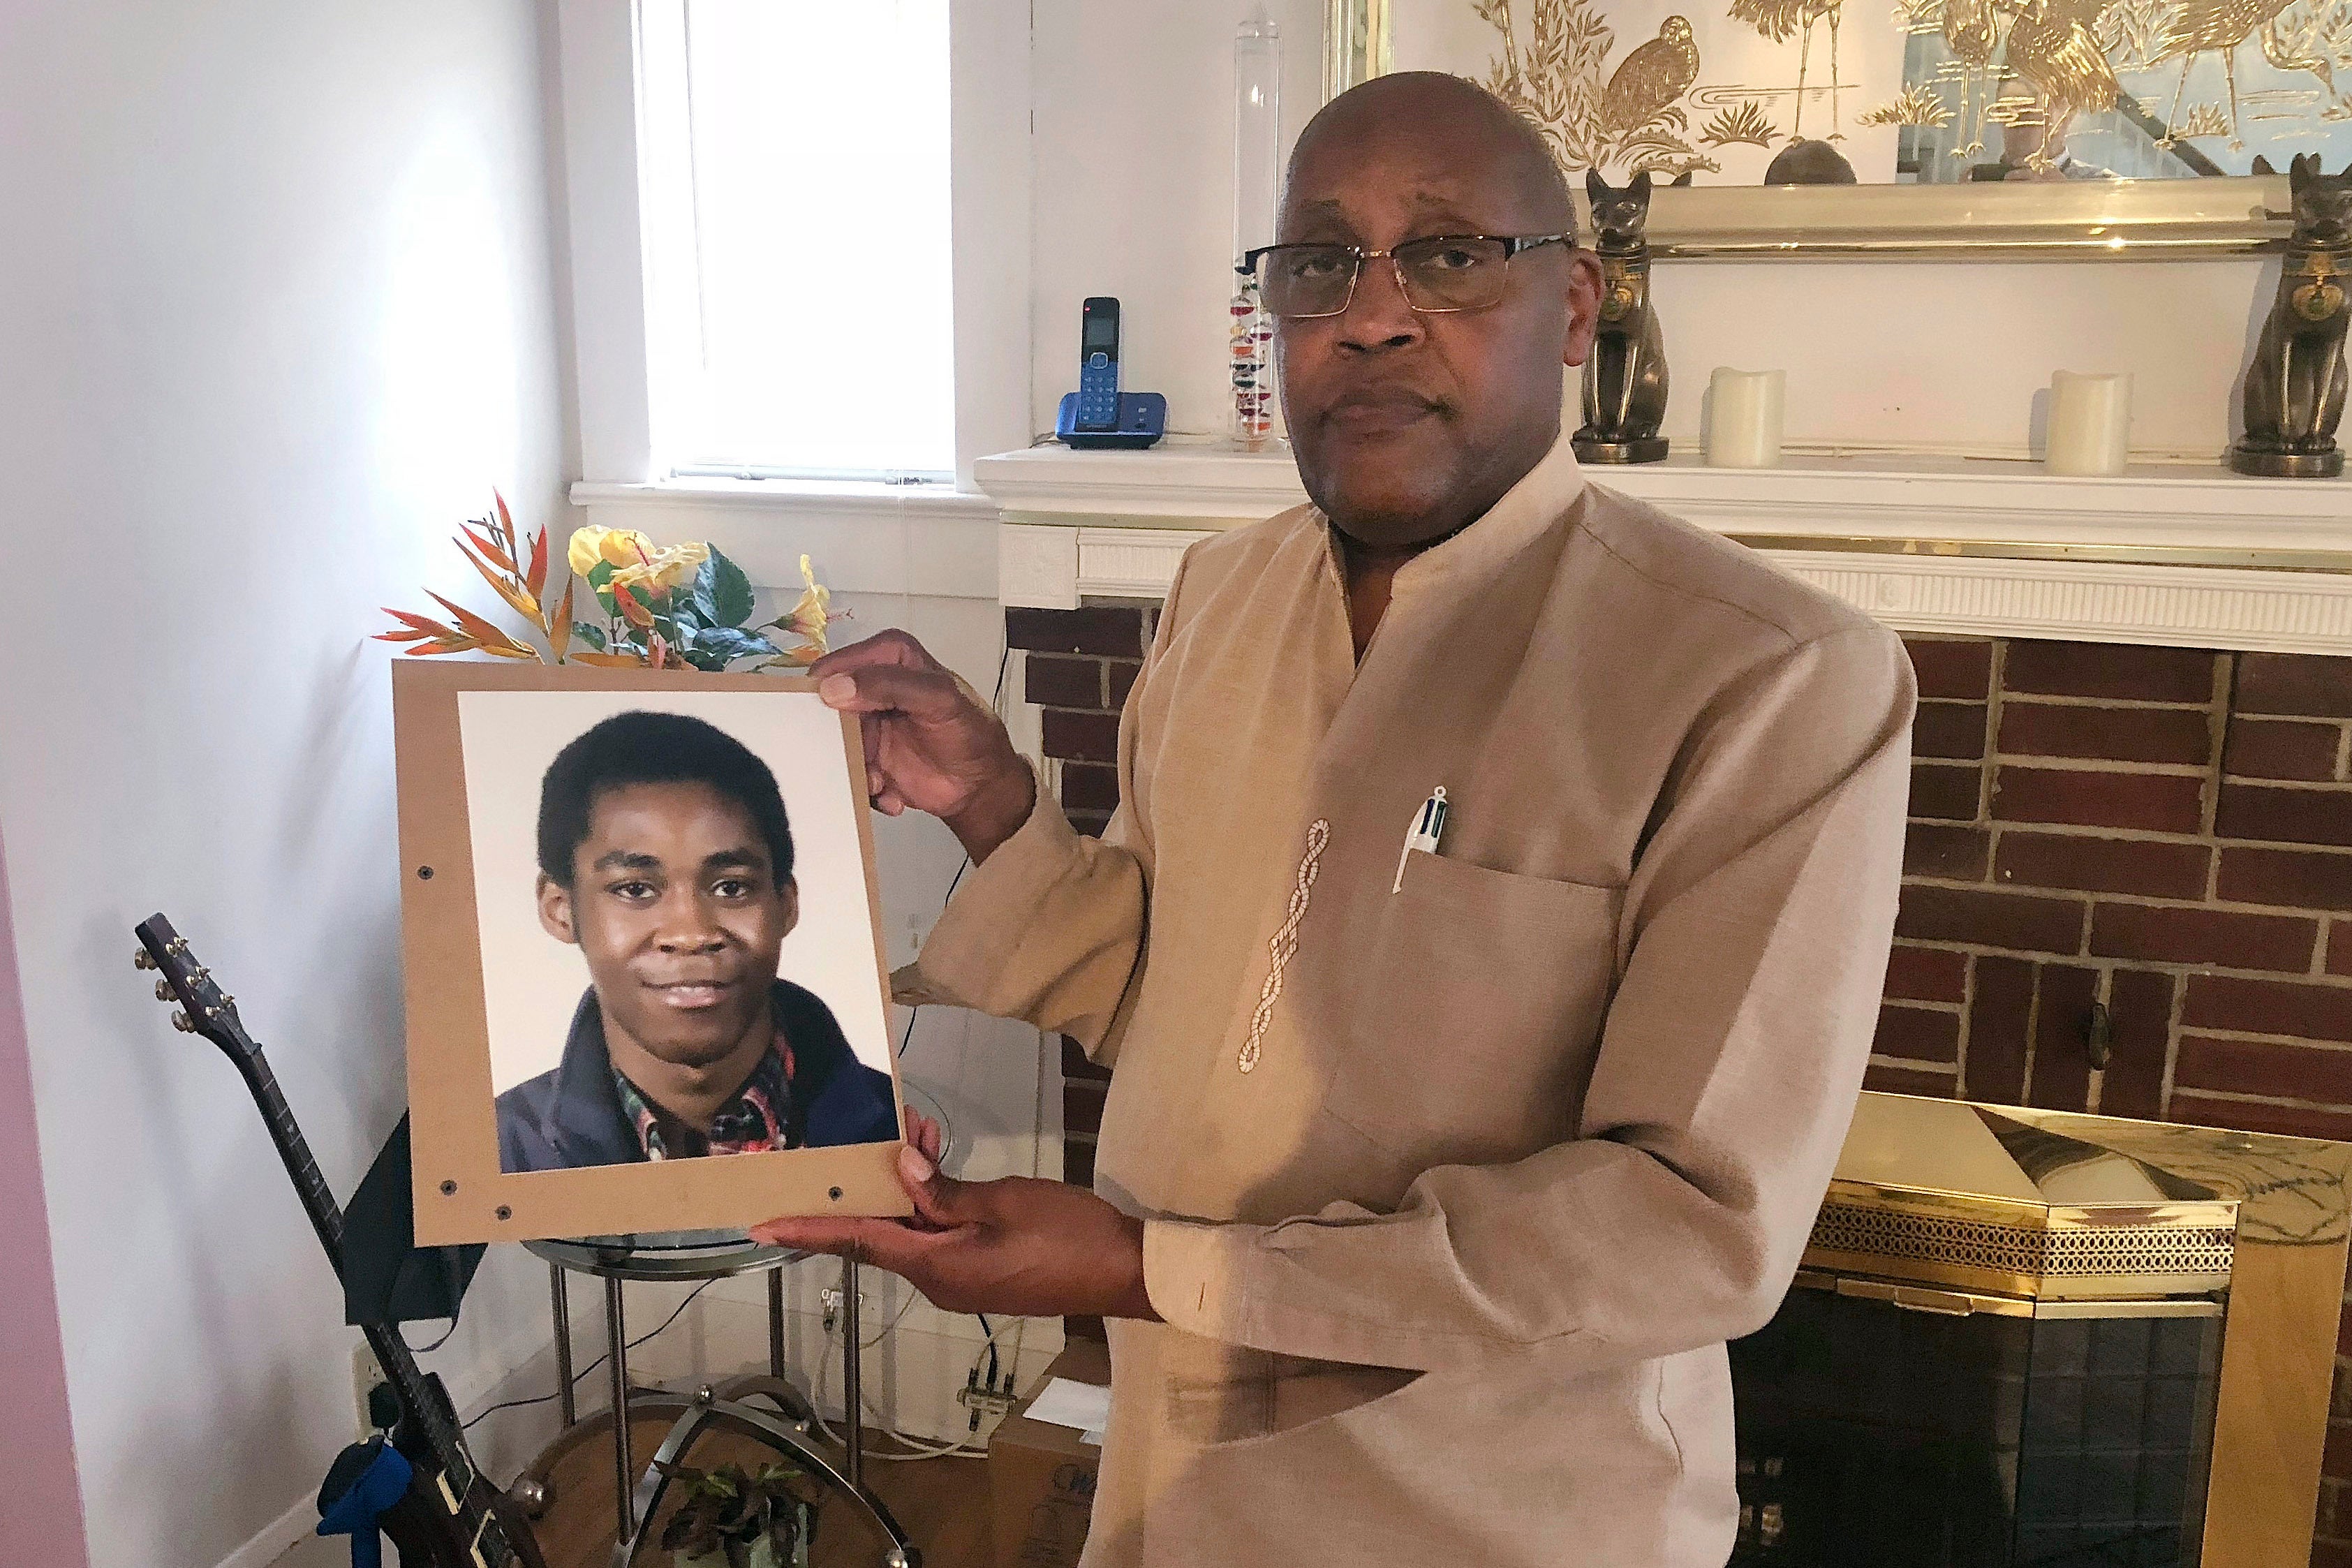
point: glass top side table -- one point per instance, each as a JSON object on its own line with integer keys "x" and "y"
{"x": 674, "y": 1256}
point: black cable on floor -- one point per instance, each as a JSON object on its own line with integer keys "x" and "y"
{"x": 591, "y": 1367}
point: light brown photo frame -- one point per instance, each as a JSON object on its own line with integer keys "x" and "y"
{"x": 461, "y": 1194}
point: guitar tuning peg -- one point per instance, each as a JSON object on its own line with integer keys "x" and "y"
{"x": 163, "y": 991}
{"x": 182, "y": 1023}
{"x": 142, "y": 959}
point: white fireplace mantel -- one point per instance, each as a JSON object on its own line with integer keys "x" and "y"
{"x": 2166, "y": 555}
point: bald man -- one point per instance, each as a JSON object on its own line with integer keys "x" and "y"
{"x": 1435, "y": 1169}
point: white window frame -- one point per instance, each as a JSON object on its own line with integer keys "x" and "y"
{"x": 620, "y": 441}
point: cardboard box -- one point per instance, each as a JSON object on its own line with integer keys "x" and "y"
{"x": 1040, "y": 1477}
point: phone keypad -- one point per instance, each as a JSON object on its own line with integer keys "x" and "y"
{"x": 1098, "y": 392}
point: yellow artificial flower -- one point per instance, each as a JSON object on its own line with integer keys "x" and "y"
{"x": 584, "y": 551}
{"x": 816, "y": 607}
{"x": 663, "y": 571}
{"x": 808, "y": 618}
{"x": 675, "y": 565}
{"x": 617, "y": 547}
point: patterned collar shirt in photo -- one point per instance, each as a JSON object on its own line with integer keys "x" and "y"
{"x": 1456, "y": 1175}
{"x": 761, "y": 1116}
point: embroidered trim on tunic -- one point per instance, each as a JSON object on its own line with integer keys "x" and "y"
{"x": 1283, "y": 945}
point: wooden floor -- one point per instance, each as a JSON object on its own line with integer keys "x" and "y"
{"x": 942, "y": 1504}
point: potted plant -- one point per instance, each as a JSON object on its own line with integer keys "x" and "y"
{"x": 730, "y": 1518}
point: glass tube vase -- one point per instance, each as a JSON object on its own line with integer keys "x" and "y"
{"x": 1258, "y": 151}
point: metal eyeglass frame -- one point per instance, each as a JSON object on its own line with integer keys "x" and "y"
{"x": 1512, "y": 245}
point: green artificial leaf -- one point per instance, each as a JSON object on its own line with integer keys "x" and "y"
{"x": 589, "y": 632}
{"x": 600, "y": 577}
{"x": 730, "y": 643}
{"x": 722, "y": 593}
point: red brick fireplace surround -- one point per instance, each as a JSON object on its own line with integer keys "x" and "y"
{"x": 2139, "y": 853}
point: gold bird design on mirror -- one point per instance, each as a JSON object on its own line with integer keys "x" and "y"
{"x": 1780, "y": 20}
{"x": 1646, "y": 82}
{"x": 2054, "y": 46}
{"x": 1972, "y": 31}
{"x": 2218, "y": 27}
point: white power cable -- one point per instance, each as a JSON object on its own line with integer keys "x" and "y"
{"x": 931, "y": 1448}
{"x": 925, "y": 1447}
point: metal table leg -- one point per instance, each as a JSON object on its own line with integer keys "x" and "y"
{"x": 853, "y": 1424}
{"x": 776, "y": 1324}
{"x": 616, "y": 1330}
{"x": 562, "y": 1300}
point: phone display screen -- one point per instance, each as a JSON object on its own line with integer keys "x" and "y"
{"x": 1102, "y": 333}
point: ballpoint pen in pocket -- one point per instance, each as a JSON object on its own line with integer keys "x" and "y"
{"x": 1428, "y": 827}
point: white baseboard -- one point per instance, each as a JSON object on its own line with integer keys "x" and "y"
{"x": 469, "y": 1384}
{"x": 274, "y": 1539}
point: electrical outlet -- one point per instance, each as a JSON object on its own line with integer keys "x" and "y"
{"x": 829, "y": 1299}
{"x": 366, "y": 1372}
{"x": 983, "y": 1402}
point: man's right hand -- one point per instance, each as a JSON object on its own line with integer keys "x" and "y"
{"x": 930, "y": 742}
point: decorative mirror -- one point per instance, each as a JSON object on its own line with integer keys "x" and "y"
{"x": 1813, "y": 128}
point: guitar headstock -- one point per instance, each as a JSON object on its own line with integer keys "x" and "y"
{"x": 203, "y": 1007}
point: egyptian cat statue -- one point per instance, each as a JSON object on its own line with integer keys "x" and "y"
{"x": 2295, "y": 387}
{"x": 1625, "y": 375}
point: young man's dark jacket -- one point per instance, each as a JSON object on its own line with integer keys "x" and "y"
{"x": 573, "y": 1117}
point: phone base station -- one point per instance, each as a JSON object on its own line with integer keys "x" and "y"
{"x": 1142, "y": 420}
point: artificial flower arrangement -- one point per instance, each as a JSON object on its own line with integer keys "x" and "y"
{"x": 664, "y": 606}
{"x": 730, "y": 1518}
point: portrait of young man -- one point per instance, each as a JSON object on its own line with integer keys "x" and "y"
{"x": 665, "y": 857}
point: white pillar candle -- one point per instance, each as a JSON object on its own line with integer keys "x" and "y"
{"x": 2090, "y": 424}
{"x": 1744, "y": 417}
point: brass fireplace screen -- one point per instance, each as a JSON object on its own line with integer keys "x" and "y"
{"x": 2034, "y": 1337}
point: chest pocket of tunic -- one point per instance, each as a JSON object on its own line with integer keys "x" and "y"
{"x": 1475, "y": 1032}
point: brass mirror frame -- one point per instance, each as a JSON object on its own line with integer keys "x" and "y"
{"x": 2137, "y": 220}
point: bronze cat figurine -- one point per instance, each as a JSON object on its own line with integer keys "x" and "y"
{"x": 2295, "y": 385}
{"x": 1625, "y": 374}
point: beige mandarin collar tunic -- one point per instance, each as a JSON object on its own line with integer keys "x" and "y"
{"x": 1454, "y": 1188}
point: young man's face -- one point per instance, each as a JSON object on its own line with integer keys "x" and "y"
{"x": 674, "y": 905}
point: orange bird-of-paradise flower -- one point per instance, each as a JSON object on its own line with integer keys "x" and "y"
{"x": 515, "y": 570}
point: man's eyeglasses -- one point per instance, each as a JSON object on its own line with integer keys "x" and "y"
{"x": 1443, "y": 272}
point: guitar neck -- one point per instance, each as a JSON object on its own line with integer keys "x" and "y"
{"x": 310, "y": 1184}
{"x": 392, "y": 1352}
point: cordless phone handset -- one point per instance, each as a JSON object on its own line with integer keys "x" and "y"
{"x": 1098, "y": 364}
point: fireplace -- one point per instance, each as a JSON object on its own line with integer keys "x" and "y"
{"x": 2005, "y": 1347}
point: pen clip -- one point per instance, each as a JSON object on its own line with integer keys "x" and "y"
{"x": 1428, "y": 827}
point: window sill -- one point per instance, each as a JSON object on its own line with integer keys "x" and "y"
{"x": 862, "y": 537}
{"x": 786, "y": 496}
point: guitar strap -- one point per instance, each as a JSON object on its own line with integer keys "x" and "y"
{"x": 387, "y": 1278}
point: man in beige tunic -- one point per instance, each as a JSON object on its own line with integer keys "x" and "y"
{"x": 1432, "y": 1180}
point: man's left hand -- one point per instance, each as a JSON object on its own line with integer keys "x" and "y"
{"x": 1020, "y": 1247}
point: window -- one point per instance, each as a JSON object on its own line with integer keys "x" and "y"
{"x": 794, "y": 180}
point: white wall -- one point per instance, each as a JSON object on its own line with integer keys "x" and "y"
{"x": 1133, "y": 197}
{"x": 275, "y": 312}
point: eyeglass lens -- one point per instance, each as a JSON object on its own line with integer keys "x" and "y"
{"x": 1440, "y": 273}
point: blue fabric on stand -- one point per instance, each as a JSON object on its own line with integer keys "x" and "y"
{"x": 382, "y": 1484}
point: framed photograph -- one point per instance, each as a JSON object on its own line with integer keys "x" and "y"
{"x": 1812, "y": 127}
{"x": 644, "y": 979}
